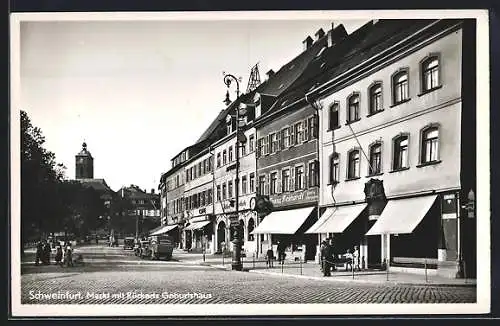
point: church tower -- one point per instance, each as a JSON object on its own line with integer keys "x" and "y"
{"x": 84, "y": 168}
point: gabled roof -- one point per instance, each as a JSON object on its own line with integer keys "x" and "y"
{"x": 98, "y": 185}
{"x": 364, "y": 43}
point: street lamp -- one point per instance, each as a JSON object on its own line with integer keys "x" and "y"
{"x": 237, "y": 241}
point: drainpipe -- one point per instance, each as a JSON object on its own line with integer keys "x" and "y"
{"x": 318, "y": 143}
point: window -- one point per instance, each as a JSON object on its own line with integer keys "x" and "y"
{"x": 224, "y": 191}
{"x": 430, "y": 74}
{"x": 375, "y": 98}
{"x": 298, "y": 133}
{"x": 202, "y": 198}
{"x": 333, "y": 121}
{"x": 291, "y": 132}
{"x": 375, "y": 159}
{"x": 274, "y": 183}
{"x": 193, "y": 172}
{"x": 265, "y": 145}
{"x": 400, "y": 153}
{"x": 244, "y": 185}
{"x": 353, "y": 167}
{"x": 430, "y": 145}
{"x": 251, "y": 227}
{"x": 218, "y": 193}
{"x": 285, "y": 138}
{"x": 400, "y": 87}
{"x": 299, "y": 177}
{"x": 218, "y": 160}
{"x": 313, "y": 174}
{"x": 230, "y": 189}
{"x": 230, "y": 153}
{"x": 285, "y": 180}
{"x": 199, "y": 169}
{"x": 353, "y": 108}
{"x": 312, "y": 128}
{"x": 274, "y": 143}
{"x": 251, "y": 141}
{"x": 334, "y": 169}
{"x": 209, "y": 196}
{"x": 243, "y": 147}
{"x": 210, "y": 163}
{"x": 224, "y": 157}
{"x": 262, "y": 184}
{"x": 252, "y": 182}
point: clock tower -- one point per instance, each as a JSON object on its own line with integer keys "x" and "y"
{"x": 84, "y": 168}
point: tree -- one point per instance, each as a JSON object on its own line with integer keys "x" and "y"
{"x": 40, "y": 177}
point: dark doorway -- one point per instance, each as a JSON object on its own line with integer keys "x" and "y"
{"x": 221, "y": 236}
{"x": 374, "y": 251}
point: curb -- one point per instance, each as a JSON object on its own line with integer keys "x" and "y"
{"x": 347, "y": 280}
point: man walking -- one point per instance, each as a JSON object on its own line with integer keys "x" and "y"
{"x": 325, "y": 248}
{"x": 39, "y": 253}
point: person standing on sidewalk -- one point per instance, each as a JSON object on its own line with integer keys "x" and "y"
{"x": 39, "y": 253}
{"x": 355, "y": 256}
{"x": 331, "y": 255}
{"x": 59, "y": 254}
{"x": 269, "y": 257}
{"x": 325, "y": 252}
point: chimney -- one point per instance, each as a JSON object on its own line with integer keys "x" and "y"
{"x": 307, "y": 42}
{"x": 152, "y": 191}
{"x": 319, "y": 34}
{"x": 270, "y": 73}
{"x": 336, "y": 34}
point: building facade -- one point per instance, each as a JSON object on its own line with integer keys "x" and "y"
{"x": 394, "y": 133}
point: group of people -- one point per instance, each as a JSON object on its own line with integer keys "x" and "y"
{"x": 281, "y": 254}
{"x": 329, "y": 258}
{"x": 63, "y": 257}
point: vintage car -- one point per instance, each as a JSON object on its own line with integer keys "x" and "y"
{"x": 145, "y": 249}
{"x": 162, "y": 246}
{"x": 128, "y": 243}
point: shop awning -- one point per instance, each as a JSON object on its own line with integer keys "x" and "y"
{"x": 337, "y": 219}
{"x": 402, "y": 216}
{"x": 283, "y": 222}
{"x": 196, "y": 225}
{"x": 163, "y": 229}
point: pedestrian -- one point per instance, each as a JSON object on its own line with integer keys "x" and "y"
{"x": 355, "y": 257}
{"x": 59, "y": 254}
{"x": 68, "y": 256}
{"x": 269, "y": 257}
{"x": 331, "y": 254}
{"x": 281, "y": 252}
{"x": 349, "y": 260}
{"x": 39, "y": 253}
{"x": 46, "y": 253}
{"x": 325, "y": 265}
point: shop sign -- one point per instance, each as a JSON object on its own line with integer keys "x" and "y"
{"x": 296, "y": 197}
{"x": 449, "y": 206}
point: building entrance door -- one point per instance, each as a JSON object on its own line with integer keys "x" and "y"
{"x": 374, "y": 251}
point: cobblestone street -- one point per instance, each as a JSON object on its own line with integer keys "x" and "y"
{"x": 112, "y": 275}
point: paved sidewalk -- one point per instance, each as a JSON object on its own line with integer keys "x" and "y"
{"x": 311, "y": 270}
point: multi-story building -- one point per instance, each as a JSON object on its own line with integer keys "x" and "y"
{"x": 224, "y": 183}
{"x": 397, "y": 144}
{"x": 198, "y": 200}
{"x": 287, "y": 155}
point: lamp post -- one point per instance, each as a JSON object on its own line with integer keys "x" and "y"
{"x": 237, "y": 241}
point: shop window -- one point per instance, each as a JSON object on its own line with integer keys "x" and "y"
{"x": 250, "y": 228}
{"x": 354, "y": 164}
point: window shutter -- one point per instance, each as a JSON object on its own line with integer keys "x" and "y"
{"x": 315, "y": 127}
{"x": 292, "y": 178}
{"x": 292, "y": 134}
{"x": 305, "y": 130}
{"x": 306, "y": 176}
{"x": 278, "y": 183}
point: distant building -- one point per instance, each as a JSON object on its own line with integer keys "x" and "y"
{"x": 142, "y": 212}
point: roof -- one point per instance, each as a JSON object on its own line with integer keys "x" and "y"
{"x": 134, "y": 192}
{"x": 84, "y": 151}
{"x": 98, "y": 185}
{"x": 364, "y": 43}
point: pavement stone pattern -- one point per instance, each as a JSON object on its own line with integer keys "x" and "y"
{"x": 125, "y": 279}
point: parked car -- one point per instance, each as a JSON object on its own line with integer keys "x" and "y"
{"x": 145, "y": 249}
{"x": 162, "y": 246}
{"x": 128, "y": 243}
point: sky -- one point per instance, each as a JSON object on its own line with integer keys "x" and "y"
{"x": 139, "y": 92}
